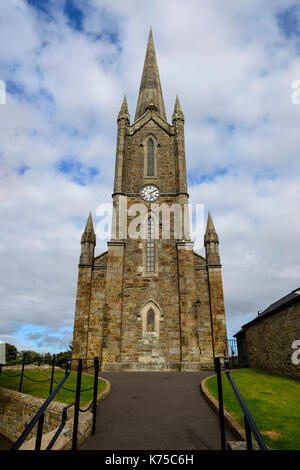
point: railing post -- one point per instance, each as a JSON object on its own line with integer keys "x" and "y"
{"x": 77, "y": 405}
{"x": 221, "y": 407}
{"x": 39, "y": 432}
{"x": 248, "y": 434}
{"x": 22, "y": 373}
{"x": 52, "y": 373}
{"x": 96, "y": 364}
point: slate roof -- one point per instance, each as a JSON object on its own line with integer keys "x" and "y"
{"x": 288, "y": 299}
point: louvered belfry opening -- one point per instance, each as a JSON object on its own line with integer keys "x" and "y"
{"x": 150, "y": 262}
{"x": 150, "y": 159}
{"x": 150, "y": 321}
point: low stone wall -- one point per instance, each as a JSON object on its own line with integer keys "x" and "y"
{"x": 17, "y": 410}
{"x": 31, "y": 367}
{"x": 269, "y": 341}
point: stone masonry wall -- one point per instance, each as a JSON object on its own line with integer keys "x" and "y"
{"x": 17, "y": 410}
{"x": 204, "y": 316}
{"x": 269, "y": 342}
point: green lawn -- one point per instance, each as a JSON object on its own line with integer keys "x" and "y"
{"x": 41, "y": 390}
{"x": 273, "y": 401}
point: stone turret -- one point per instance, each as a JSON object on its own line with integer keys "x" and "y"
{"x": 211, "y": 243}
{"x": 150, "y": 94}
{"x": 88, "y": 243}
{"x": 178, "y": 113}
{"x": 124, "y": 113}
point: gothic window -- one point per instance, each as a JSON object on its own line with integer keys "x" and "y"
{"x": 150, "y": 321}
{"x": 150, "y": 158}
{"x": 150, "y": 247}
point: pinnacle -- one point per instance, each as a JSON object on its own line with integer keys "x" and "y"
{"x": 210, "y": 225}
{"x": 89, "y": 224}
{"x": 150, "y": 89}
{"x": 178, "y": 113}
{"x": 211, "y": 234}
{"x": 124, "y": 113}
{"x": 88, "y": 233}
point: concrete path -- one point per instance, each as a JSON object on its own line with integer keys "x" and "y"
{"x": 155, "y": 411}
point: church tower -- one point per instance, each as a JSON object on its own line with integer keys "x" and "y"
{"x": 150, "y": 302}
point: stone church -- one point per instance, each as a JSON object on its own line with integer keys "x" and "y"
{"x": 150, "y": 303}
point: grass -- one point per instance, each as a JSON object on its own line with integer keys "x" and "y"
{"x": 41, "y": 390}
{"x": 273, "y": 401}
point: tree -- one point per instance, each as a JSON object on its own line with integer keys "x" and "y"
{"x": 32, "y": 356}
{"x": 11, "y": 352}
{"x": 48, "y": 358}
{"x": 62, "y": 357}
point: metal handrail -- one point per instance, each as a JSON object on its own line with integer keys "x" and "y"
{"x": 249, "y": 422}
{"x": 247, "y": 415}
{"x": 61, "y": 426}
{"x": 39, "y": 417}
{"x": 40, "y": 414}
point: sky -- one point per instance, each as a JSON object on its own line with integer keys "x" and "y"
{"x": 67, "y": 64}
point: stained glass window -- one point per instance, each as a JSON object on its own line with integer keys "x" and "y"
{"x": 150, "y": 255}
{"x": 150, "y": 320}
{"x": 150, "y": 159}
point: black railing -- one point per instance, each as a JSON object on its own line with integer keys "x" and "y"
{"x": 237, "y": 353}
{"x": 250, "y": 426}
{"x": 40, "y": 415}
{"x": 22, "y": 374}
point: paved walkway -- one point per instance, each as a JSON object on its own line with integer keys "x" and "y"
{"x": 155, "y": 411}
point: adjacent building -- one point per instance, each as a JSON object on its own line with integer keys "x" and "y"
{"x": 273, "y": 336}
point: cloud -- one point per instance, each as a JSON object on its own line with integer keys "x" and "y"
{"x": 67, "y": 66}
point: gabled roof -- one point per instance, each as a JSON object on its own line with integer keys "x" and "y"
{"x": 285, "y": 301}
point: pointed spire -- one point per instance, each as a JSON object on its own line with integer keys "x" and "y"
{"x": 210, "y": 234}
{"x": 88, "y": 233}
{"x": 150, "y": 94}
{"x": 178, "y": 113}
{"x": 124, "y": 114}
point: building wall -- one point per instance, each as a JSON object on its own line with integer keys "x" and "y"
{"x": 269, "y": 342}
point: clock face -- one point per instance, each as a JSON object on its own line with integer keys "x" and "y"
{"x": 150, "y": 193}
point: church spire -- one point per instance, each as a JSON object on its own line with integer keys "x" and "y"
{"x": 150, "y": 93}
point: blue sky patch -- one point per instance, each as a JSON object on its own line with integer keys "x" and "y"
{"x": 22, "y": 169}
{"x": 14, "y": 88}
{"x": 288, "y": 22}
{"x": 74, "y": 15}
{"x": 197, "y": 178}
{"x": 78, "y": 172}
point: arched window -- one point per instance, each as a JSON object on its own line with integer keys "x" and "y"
{"x": 150, "y": 261}
{"x": 150, "y": 158}
{"x": 150, "y": 321}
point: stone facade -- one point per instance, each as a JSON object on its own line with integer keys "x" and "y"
{"x": 183, "y": 290}
{"x": 269, "y": 341}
